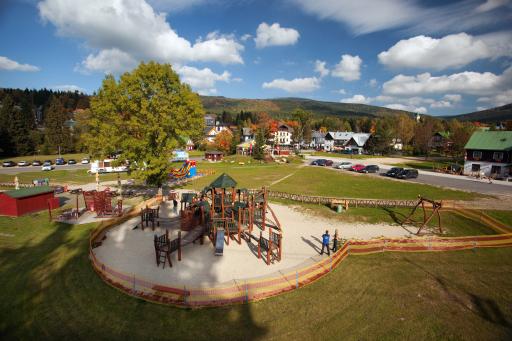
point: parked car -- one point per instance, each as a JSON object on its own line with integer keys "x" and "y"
{"x": 36, "y": 163}
{"x": 344, "y": 165}
{"x": 370, "y": 169}
{"x": 393, "y": 172}
{"x": 85, "y": 161}
{"x": 46, "y": 166}
{"x": 23, "y": 164}
{"x": 322, "y": 162}
{"x": 60, "y": 161}
{"x": 48, "y": 161}
{"x": 71, "y": 162}
{"x": 357, "y": 167}
{"x": 408, "y": 174}
{"x": 58, "y": 190}
{"x": 8, "y": 164}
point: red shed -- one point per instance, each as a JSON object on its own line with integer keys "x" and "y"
{"x": 27, "y": 200}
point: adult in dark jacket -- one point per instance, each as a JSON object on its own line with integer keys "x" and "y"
{"x": 325, "y": 243}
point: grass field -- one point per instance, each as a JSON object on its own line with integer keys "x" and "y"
{"x": 427, "y": 165}
{"x": 49, "y": 291}
{"x": 79, "y": 176}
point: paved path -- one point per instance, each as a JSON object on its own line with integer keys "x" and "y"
{"x": 458, "y": 182}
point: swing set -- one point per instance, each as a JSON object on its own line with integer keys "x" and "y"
{"x": 435, "y": 208}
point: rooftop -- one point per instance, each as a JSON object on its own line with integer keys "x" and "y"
{"x": 490, "y": 140}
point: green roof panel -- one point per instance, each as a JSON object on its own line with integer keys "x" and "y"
{"x": 223, "y": 181}
{"x": 28, "y": 192}
{"x": 490, "y": 140}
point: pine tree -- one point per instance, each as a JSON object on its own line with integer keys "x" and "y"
{"x": 6, "y": 146}
{"x": 258, "y": 152}
{"x": 57, "y": 134}
{"x": 20, "y": 125}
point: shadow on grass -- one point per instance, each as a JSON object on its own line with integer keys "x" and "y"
{"x": 49, "y": 290}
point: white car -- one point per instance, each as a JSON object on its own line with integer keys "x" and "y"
{"x": 344, "y": 165}
{"x": 47, "y": 166}
{"x": 85, "y": 161}
{"x": 23, "y": 164}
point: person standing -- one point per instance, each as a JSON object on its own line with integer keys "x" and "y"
{"x": 335, "y": 241}
{"x": 325, "y": 243}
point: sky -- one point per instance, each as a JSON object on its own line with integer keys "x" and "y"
{"x": 433, "y": 57}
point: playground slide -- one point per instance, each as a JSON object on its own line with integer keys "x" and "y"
{"x": 219, "y": 243}
{"x": 182, "y": 172}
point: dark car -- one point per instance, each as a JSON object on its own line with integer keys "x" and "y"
{"x": 60, "y": 161}
{"x": 48, "y": 161}
{"x": 408, "y": 174}
{"x": 8, "y": 164}
{"x": 393, "y": 172}
{"x": 36, "y": 163}
{"x": 72, "y": 162}
{"x": 322, "y": 162}
{"x": 370, "y": 169}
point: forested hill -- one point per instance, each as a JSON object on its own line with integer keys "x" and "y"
{"x": 282, "y": 106}
{"x": 498, "y": 114}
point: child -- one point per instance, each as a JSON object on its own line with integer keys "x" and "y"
{"x": 335, "y": 241}
{"x": 325, "y": 243}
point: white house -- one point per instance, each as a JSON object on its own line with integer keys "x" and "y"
{"x": 346, "y": 140}
{"x": 211, "y": 132}
{"x": 317, "y": 140}
{"x": 489, "y": 153}
{"x": 283, "y": 135}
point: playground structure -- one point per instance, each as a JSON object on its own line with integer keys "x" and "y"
{"x": 101, "y": 203}
{"x": 164, "y": 247}
{"x": 149, "y": 215}
{"x": 187, "y": 170}
{"x": 436, "y": 207}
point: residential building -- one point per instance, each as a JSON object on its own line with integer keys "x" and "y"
{"x": 211, "y": 132}
{"x": 210, "y": 120}
{"x": 441, "y": 141}
{"x": 337, "y": 140}
{"x": 247, "y": 134}
{"x": 489, "y": 153}
{"x": 357, "y": 143}
{"x": 317, "y": 140}
{"x": 283, "y": 135}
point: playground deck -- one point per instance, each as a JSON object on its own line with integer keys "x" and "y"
{"x": 131, "y": 251}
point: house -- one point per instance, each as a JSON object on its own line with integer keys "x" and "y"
{"x": 337, "y": 140}
{"x": 317, "y": 140}
{"x": 210, "y": 120}
{"x": 27, "y": 200}
{"x": 246, "y": 147}
{"x": 357, "y": 143}
{"x": 211, "y": 132}
{"x": 396, "y": 144}
{"x": 283, "y": 135}
{"x": 441, "y": 141}
{"x": 247, "y": 134}
{"x": 213, "y": 155}
{"x": 489, "y": 153}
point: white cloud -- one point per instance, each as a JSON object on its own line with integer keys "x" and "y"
{"x": 112, "y": 61}
{"x": 246, "y": 37}
{"x": 202, "y": 80}
{"x": 320, "y": 68}
{"x": 481, "y": 108}
{"x": 295, "y": 85}
{"x": 455, "y": 50}
{"x": 11, "y": 65}
{"x": 373, "y": 82}
{"x": 134, "y": 28}
{"x": 441, "y": 104}
{"x": 366, "y": 16}
{"x": 349, "y": 68}
{"x": 499, "y": 99}
{"x": 358, "y": 99}
{"x": 275, "y": 35}
{"x": 467, "y": 82}
{"x": 175, "y": 5}
{"x": 489, "y": 5}
{"x": 455, "y": 98}
{"x": 68, "y": 87}
{"x": 340, "y": 91}
{"x": 399, "y": 106}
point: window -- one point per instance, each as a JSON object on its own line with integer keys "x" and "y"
{"x": 477, "y": 155}
{"x": 498, "y": 156}
{"x": 475, "y": 167}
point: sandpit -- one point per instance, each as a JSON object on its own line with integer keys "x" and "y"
{"x": 131, "y": 251}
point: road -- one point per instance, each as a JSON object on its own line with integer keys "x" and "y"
{"x": 458, "y": 182}
{"x": 14, "y": 170}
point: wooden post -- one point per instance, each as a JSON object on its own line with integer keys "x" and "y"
{"x": 280, "y": 246}
{"x": 179, "y": 246}
{"x": 269, "y": 251}
{"x": 259, "y": 247}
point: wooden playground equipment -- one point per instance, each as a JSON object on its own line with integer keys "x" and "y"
{"x": 164, "y": 247}
{"x": 149, "y": 215}
{"x": 101, "y": 203}
{"x": 229, "y": 214}
{"x": 427, "y": 217}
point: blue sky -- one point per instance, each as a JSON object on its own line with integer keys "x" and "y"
{"x": 435, "y": 57}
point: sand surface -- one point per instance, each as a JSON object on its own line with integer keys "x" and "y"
{"x": 131, "y": 251}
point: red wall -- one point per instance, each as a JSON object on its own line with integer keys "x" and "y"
{"x": 17, "y": 207}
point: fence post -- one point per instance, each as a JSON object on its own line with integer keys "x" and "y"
{"x": 246, "y": 292}
{"x": 134, "y": 288}
{"x": 297, "y": 279}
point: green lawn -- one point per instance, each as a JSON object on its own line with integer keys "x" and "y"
{"x": 52, "y": 157}
{"x": 49, "y": 291}
{"x": 504, "y": 216}
{"x": 79, "y": 176}
{"x": 326, "y": 182}
{"x": 427, "y": 165}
